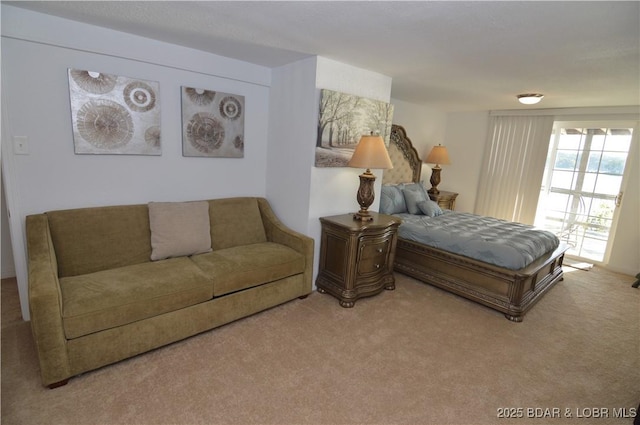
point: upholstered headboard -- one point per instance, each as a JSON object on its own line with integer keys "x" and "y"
{"x": 407, "y": 165}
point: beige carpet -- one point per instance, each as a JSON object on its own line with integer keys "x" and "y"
{"x": 416, "y": 355}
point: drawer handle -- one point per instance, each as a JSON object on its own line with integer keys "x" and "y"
{"x": 377, "y": 266}
{"x": 379, "y": 250}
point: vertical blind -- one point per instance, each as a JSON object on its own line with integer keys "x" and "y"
{"x": 513, "y": 167}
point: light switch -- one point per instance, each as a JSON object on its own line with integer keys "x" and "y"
{"x": 20, "y": 145}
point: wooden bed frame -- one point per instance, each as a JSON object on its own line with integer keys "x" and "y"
{"x": 512, "y": 292}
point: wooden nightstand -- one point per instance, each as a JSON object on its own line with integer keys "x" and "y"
{"x": 446, "y": 200}
{"x": 356, "y": 257}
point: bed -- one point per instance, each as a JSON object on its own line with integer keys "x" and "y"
{"x": 511, "y": 291}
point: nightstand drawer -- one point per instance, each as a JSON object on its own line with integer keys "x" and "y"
{"x": 371, "y": 248}
{"x": 371, "y": 265}
{"x": 373, "y": 255}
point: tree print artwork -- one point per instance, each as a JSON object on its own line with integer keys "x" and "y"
{"x": 342, "y": 120}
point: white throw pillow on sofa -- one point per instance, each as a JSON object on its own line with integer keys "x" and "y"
{"x": 179, "y": 228}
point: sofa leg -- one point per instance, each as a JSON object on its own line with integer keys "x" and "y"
{"x": 58, "y": 384}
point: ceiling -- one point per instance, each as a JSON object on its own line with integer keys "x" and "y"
{"x": 453, "y": 55}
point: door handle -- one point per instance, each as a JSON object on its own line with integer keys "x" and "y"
{"x": 618, "y": 199}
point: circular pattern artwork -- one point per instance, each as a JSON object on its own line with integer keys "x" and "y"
{"x": 94, "y": 82}
{"x": 139, "y": 96}
{"x": 113, "y": 114}
{"x": 230, "y": 108}
{"x": 204, "y": 132}
{"x": 105, "y": 124}
{"x": 152, "y": 136}
{"x": 212, "y": 123}
{"x": 238, "y": 142}
{"x": 200, "y": 97}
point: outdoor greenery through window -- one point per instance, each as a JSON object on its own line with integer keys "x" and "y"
{"x": 581, "y": 186}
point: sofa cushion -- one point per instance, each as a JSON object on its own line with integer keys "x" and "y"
{"x": 235, "y": 222}
{"x": 237, "y": 268}
{"x": 179, "y": 228}
{"x": 88, "y": 240}
{"x": 110, "y": 298}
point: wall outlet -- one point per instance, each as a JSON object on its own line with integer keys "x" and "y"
{"x": 20, "y": 145}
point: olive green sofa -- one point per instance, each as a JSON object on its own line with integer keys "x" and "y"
{"x": 96, "y": 296}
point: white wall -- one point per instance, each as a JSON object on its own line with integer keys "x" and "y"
{"x": 466, "y": 140}
{"x": 463, "y": 133}
{"x": 334, "y": 189}
{"x": 36, "y": 52}
{"x": 426, "y": 126}
{"x": 625, "y": 252}
{"x": 8, "y": 267}
{"x": 292, "y": 123}
{"x": 300, "y": 192}
{"x": 624, "y": 255}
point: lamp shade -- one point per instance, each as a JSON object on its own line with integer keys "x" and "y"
{"x": 438, "y": 155}
{"x": 371, "y": 153}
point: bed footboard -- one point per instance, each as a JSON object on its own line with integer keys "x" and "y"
{"x": 512, "y": 292}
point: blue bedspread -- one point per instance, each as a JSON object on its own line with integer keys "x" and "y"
{"x": 498, "y": 242}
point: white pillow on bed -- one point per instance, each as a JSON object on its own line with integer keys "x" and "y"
{"x": 414, "y": 193}
{"x": 430, "y": 208}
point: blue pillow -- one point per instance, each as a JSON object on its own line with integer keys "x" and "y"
{"x": 430, "y": 208}
{"x": 392, "y": 200}
{"x": 414, "y": 193}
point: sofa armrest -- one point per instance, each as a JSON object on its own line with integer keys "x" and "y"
{"x": 45, "y": 302}
{"x": 278, "y": 232}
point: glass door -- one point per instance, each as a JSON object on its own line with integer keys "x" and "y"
{"x": 582, "y": 183}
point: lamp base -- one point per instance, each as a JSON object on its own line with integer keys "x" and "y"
{"x": 435, "y": 180}
{"x": 362, "y": 216}
{"x": 365, "y": 196}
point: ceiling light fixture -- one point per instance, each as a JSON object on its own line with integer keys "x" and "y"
{"x": 530, "y": 98}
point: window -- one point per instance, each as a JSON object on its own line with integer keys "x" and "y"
{"x": 581, "y": 185}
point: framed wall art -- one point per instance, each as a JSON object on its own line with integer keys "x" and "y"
{"x": 112, "y": 114}
{"x": 342, "y": 120}
{"x": 212, "y": 123}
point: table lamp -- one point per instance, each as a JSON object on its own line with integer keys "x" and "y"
{"x": 438, "y": 155}
{"x": 369, "y": 153}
